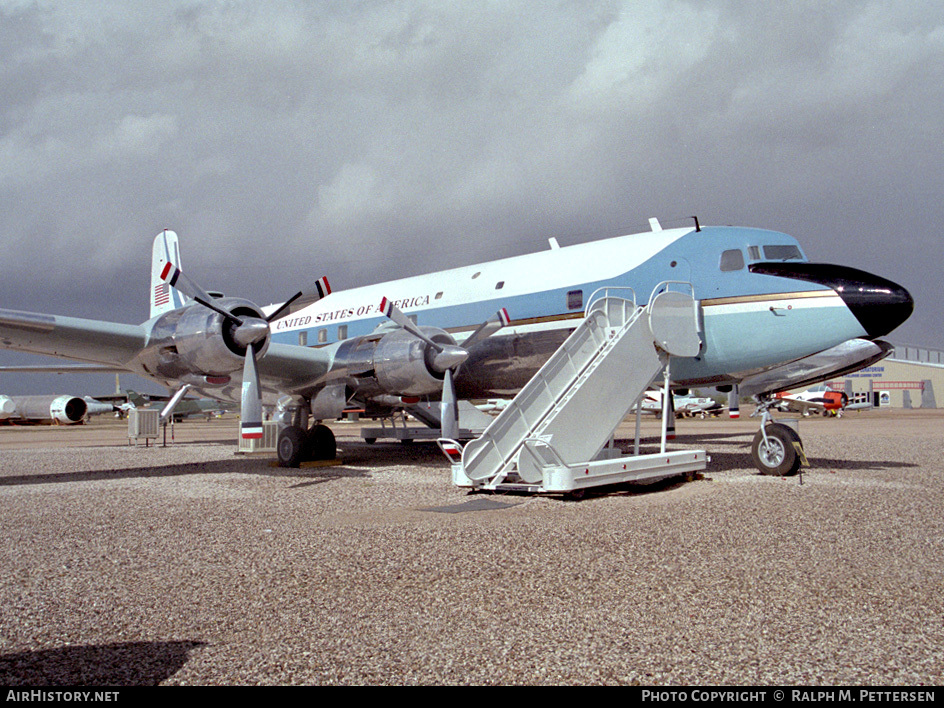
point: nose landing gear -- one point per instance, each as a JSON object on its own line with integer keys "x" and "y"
{"x": 777, "y": 449}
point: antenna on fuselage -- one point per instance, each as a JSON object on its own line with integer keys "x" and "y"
{"x": 697, "y": 225}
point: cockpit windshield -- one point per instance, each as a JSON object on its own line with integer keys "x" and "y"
{"x": 782, "y": 253}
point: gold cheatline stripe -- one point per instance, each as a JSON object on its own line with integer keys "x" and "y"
{"x": 764, "y": 298}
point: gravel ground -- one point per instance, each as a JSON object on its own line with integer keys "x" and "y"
{"x": 189, "y": 565}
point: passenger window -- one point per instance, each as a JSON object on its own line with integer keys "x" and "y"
{"x": 732, "y": 260}
{"x": 575, "y": 300}
{"x": 303, "y": 339}
{"x": 342, "y": 331}
{"x": 322, "y": 336}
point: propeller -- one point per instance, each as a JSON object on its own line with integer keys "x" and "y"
{"x": 248, "y": 332}
{"x": 250, "y": 404}
{"x": 447, "y": 355}
{"x": 448, "y": 360}
{"x": 449, "y": 407}
{"x": 174, "y": 276}
{"x": 303, "y": 298}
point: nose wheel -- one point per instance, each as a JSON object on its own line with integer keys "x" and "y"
{"x": 777, "y": 449}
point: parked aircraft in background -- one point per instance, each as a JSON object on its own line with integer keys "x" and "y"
{"x": 818, "y": 399}
{"x": 94, "y": 406}
{"x": 689, "y": 406}
{"x": 684, "y": 405}
{"x": 448, "y": 334}
{"x": 184, "y": 408}
{"x": 57, "y": 409}
{"x": 493, "y": 405}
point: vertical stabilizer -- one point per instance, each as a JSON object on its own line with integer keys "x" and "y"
{"x": 164, "y": 297}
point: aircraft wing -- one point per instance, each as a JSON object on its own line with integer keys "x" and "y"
{"x": 62, "y": 369}
{"x": 111, "y": 346}
{"x": 801, "y": 406}
{"x": 289, "y": 368}
{"x": 107, "y": 344}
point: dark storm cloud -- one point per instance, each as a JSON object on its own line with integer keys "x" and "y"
{"x": 285, "y": 140}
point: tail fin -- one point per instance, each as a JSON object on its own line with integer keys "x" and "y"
{"x": 135, "y": 398}
{"x": 164, "y": 297}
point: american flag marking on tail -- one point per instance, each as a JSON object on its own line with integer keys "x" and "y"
{"x": 161, "y": 294}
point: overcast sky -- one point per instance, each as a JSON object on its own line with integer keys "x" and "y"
{"x": 370, "y": 140}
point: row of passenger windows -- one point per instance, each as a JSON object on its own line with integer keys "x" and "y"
{"x": 322, "y": 335}
{"x": 733, "y": 259}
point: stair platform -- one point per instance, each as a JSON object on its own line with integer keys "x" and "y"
{"x": 552, "y": 438}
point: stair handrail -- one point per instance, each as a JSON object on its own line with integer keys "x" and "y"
{"x": 601, "y": 298}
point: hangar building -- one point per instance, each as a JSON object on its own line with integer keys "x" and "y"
{"x": 912, "y": 377}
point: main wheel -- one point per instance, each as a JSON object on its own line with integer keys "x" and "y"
{"x": 777, "y": 457}
{"x": 321, "y": 444}
{"x": 291, "y": 446}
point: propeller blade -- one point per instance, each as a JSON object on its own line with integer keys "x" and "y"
{"x": 303, "y": 298}
{"x": 449, "y": 409}
{"x": 176, "y": 278}
{"x": 388, "y": 309}
{"x": 488, "y": 328}
{"x": 250, "y": 414}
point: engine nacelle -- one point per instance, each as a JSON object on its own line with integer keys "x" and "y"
{"x": 65, "y": 410}
{"x": 396, "y": 363}
{"x": 196, "y": 341}
{"x": 7, "y": 407}
{"x": 835, "y": 400}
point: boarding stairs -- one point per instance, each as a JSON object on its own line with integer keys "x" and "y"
{"x": 553, "y": 437}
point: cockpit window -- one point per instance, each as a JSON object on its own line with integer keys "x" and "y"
{"x": 732, "y": 260}
{"x": 782, "y": 253}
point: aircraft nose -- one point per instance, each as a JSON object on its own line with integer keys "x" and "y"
{"x": 879, "y": 304}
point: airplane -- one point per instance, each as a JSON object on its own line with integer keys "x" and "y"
{"x": 493, "y": 405}
{"x": 56, "y": 409}
{"x": 184, "y": 408}
{"x": 819, "y": 399}
{"x": 449, "y": 335}
{"x": 684, "y": 404}
{"x": 688, "y": 405}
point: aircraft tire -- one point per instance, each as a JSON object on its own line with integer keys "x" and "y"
{"x": 291, "y": 446}
{"x": 320, "y": 443}
{"x": 779, "y": 458}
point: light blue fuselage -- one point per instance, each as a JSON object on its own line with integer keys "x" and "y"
{"x": 749, "y": 321}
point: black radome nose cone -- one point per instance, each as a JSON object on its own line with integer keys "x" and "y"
{"x": 879, "y": 304}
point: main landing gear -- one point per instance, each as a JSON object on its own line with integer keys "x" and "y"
{"x": 777, "y": 449}
{"x": 297, "y": 445}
